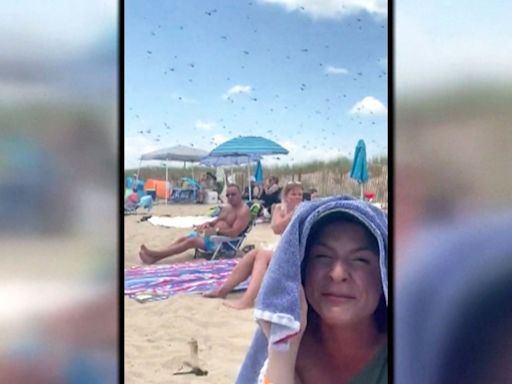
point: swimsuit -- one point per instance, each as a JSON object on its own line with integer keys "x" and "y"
{"x": 209, "y": 244}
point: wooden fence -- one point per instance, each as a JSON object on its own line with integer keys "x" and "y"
{"x": 329, "y": 183}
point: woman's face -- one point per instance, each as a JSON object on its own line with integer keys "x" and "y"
{"x": 293, "y": 197}
{"x": 343, "y": 282}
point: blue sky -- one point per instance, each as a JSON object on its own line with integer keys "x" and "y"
{"x": 441, "y": 43}
{"x": 311, "y": 75}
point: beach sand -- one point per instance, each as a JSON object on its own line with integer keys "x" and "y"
{"x": 157, "y": 333}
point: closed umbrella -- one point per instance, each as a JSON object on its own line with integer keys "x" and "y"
{"x": 359, "y": 170}
{"x": 248, "y": 146}
{"x": 258, "y": 175}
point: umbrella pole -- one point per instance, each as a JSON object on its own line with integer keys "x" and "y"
{"x": 166, "y": 181}
{"x": 362, "y": 191}
{"x": 249, "y": 177}
{"x": 138, "y": 169}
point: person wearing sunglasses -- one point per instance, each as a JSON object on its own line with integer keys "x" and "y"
{"x": 232, "y": 220}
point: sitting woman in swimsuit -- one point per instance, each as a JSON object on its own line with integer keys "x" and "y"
{"x": 255, "y": 262}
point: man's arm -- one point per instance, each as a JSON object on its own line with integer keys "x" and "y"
{"x": 241, "y": 222}
{"x": 212, "y": 223}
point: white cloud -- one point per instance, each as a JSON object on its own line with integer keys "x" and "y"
{"x": 369, "y": 105}
{"x": 330, "y": 70}
{"x": 332, "y": 9}
{"x": 236, "y": 89}
{"x": 219, "y": 139}
{"x": 289, "y": 145}
{"x": 134, "y": 147}
{"x": 204, "y": 125}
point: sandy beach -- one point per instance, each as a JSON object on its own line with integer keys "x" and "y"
{"x": 157, "y": 333}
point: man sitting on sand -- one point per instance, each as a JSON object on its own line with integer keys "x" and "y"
{"x": 232, "y": 220}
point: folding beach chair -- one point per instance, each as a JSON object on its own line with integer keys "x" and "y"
{"x": 227, "y": 247}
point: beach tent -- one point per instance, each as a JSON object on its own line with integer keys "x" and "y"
{"x": 248, "y": 146}
{"x": 176, "y": 153}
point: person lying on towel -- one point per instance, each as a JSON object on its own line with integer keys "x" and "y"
{"x": 232, "y": 221}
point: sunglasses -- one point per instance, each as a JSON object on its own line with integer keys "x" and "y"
{"x": 230, "y": 194}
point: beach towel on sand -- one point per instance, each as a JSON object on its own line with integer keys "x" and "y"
{"x": 157, "y": 282}
{"x": 278, "y": 300}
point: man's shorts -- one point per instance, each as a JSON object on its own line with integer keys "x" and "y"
{"x": 209, "y": 244}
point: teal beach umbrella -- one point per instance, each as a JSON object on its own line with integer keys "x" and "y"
{"x": 248, "y": 146}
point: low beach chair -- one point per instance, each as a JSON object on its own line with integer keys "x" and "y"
{"x": 227, "y": 246}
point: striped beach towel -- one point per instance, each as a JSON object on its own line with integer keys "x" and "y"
{"x": 146, "y": 283}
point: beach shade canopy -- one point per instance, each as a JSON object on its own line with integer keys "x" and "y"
{"x": 248, "y": 146}
{"x": 359, "y": 170}
{"x": 176, "y": 153}
{"x": 258, "y": 175}
{"x": 221, "y": 161}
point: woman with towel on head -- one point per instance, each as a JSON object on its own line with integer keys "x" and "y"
{"x": 255, "y": 262}
{"x": 322, "y": 307}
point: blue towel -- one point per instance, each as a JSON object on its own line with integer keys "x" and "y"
{"x": 278, "y": 300}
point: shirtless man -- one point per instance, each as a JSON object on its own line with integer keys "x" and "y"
{"x": 232, "y": 220}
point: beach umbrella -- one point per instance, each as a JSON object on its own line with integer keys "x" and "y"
{"x": 258, "y": 175}
{"x": 248, "y": 146}
{"x": 222, "y": 161}
{"x": 359, "y": 170}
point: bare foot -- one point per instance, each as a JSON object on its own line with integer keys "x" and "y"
{"x": 218, "y": 294}
{"x": 238, "y": 304}
{"x": 144, "y": 255}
